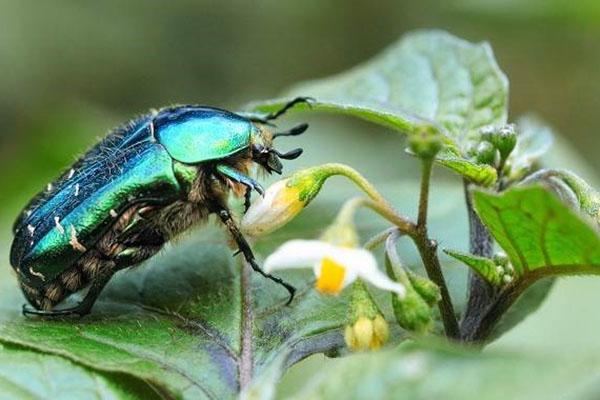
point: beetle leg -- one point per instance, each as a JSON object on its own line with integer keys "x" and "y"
{"x": 283, "y": 110}
{"x": 237, "y": 176}
{"x": 245, "y": 249}
{"x": 247, "y": 198}
{"x": 81, "y": 309}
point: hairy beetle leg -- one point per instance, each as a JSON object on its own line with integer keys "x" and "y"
{"x": 237, "y": 176}
{"x": 245, "y": 249}
{"x": 81, "y": 309}
{"x": 247, "y": 195}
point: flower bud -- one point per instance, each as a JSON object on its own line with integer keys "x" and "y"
{"x": 429, "y": 291}
{"x": 282, "y": 201}
{"x": 485, "y": 153}
{"x": 366, "y": 329}
{"x": 503, "y": 138}
{"x": 412, "y": 312}
{"x": 426, "y": 142}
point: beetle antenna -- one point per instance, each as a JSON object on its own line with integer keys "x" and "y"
{"x": 290, "y": 155}
{"x": 290, "y": 104}
{"x": 295, "y": 131}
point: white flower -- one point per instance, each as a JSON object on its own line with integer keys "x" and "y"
{"x": 334, "y": 266}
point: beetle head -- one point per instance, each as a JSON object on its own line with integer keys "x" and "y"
{"x": 268, "y": 157}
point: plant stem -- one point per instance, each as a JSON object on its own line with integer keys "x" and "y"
{"x": 418, "y": 232}
{"x": 424, "y": 194}
{"x": 481, "y": 293}
{"x": 428, "y": 251}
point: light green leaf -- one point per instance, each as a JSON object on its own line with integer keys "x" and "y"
{"x": 540, "y": 234}
{"x": 430, "y": 371}
{"x": 28, "y": 375}
{"x": 485, "y": 267}
{"x": 571, "y": 189}
{"x": 428, "y": 79}
{"x": 543, "y": 237}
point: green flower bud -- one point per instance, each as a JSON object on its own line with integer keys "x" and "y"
{"x": 485, "y": 153}
{"x": 425, "y": 142}
{"x": 429, "y": 291}
{"x": 503, "y": 138}
{"x": 412, "y": 312}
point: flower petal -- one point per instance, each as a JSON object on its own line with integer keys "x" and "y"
{"x": 377, "y": 278}
{"x": 298, "y": 254}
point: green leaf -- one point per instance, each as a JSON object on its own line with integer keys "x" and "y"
{"x": 571, "y": 189}
{"x": 543, "y": 237}
{"x": 485, "y": 267}
{"x": 427, "y": 80}
{"x": 187, "y": 323}
{"x": 436, "y": 371}
{"x": 29, "y": 375}
{"x": 540, "y": 234}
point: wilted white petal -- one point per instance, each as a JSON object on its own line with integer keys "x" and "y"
{"x": 298, "y": 254}
{"x": 278, "y": 206}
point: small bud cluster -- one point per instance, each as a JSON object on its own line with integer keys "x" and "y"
{"x": 497, "y": 143}
{"x": 504, "y": 268}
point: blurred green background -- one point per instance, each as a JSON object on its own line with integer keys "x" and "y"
{"x": 69, "y": 71}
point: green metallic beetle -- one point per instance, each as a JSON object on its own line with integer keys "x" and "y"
{"x": 143, "y": 184}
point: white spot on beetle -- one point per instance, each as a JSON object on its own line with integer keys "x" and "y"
{"x": 152, "y": 131}
{"x": 31, "y": 229}
{"x": 113, "y": 213}
{"x": 28, "y": 213}
{"x": 77, "y": 189}
{"x": 71, "y": 173}
{"x": 32, "y": 272}
{"x": 59, "y": 226}
{"x": 49, "y": 187}
{"x": 74, "y": 242}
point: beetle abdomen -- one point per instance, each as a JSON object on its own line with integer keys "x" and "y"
{"x": 76, "y": 210}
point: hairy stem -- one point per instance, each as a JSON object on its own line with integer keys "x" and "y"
{"x": 418, "y": 232}
{"x": 428, "y": 251}
{"x": 424, "y": 193}
{"x": 245, "y": 358}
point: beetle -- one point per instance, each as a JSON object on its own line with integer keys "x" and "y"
{"x": 143, "y": 184}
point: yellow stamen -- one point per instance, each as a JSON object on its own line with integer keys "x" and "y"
{"x": 331, "y": 278}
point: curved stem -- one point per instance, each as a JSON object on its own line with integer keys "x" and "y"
{"x": 418, "y": 232}
{"x": 376, "y": 201}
